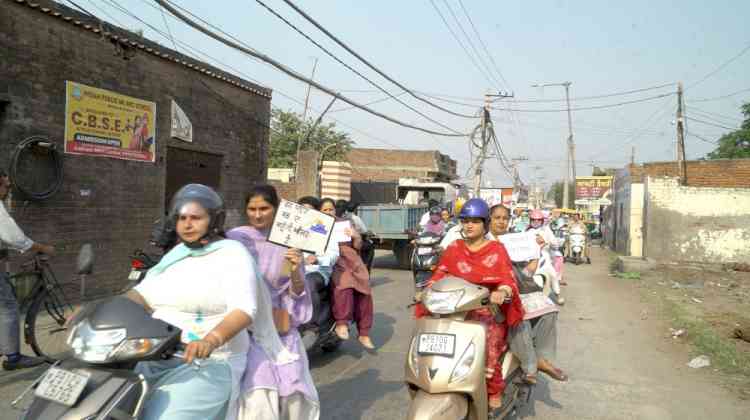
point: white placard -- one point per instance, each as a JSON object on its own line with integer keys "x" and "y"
{"x": 296, "y": 226}
{"x": 521, "y": 246}
{"x": 339, "y": 232}
{"x": 182, "y": 128}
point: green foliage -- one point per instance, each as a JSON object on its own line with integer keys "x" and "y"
{"x": 736, "y": 144}
{"x": 556, "y": 193}
{"x": 630, "y": 275}
{"x": 288, "y": 128}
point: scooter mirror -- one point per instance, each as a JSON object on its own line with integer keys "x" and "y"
{"x": 85, "y": 259}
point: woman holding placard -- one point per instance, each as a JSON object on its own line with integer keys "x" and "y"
{"x": 270, "y": 390}
{"x": 352, "y": 295}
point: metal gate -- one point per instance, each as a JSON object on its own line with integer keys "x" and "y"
{"x": 188, "y": 166}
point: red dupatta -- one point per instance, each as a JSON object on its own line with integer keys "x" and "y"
{"x": 490, "y": 267}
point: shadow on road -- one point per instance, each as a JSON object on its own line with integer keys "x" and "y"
{"x": 344, "y": 398}
{"x": 542, "y": 394}
{"x": 380, "y": 281}
{"x": 21, "y": 375}
{"x": 385, "y": 261}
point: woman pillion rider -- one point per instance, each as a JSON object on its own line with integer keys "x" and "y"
{"x": 206, "y": 286}
{"x": 481, "y": 261}
{"x": 275, "y": 391}
{"x": 533, "y": 341}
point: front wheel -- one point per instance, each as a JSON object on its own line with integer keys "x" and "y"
{"x": 45, "y": 328}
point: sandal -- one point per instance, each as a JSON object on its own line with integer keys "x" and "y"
{"x": 529, "y": 379}
{"x": 342, "y": 331}
{"x": 555, "y": 373}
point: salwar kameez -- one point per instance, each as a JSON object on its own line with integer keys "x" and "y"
{"x": 271, "y": 391}
{"x": 352, "y": 295}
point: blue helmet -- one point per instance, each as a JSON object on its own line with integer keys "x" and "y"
{"x": 476, "y": 207}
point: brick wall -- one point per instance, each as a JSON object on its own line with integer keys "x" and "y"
{"x": 389, "y": 165}
{"x": 728, "y": 173}
{"x": 40, "y": 51}
{"x": 696, "y": 224}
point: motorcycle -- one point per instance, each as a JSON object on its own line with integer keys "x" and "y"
{"x": 445, "y": 365}
{"x": 425, "y": 257}
{"x": 577, "y": 244}
{"x": 108, "y": 339}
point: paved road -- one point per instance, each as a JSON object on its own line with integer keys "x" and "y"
{"x": 621, "y": 365}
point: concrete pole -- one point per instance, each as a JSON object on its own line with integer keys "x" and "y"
{"x": 304, "y": 116}
{"x": 570, "y": 161}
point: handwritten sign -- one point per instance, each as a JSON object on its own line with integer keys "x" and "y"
{"x": 296, "y": 226}
{"x": 521, "y": 246}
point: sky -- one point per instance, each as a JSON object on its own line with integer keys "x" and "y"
{"x": 602, "y": 47}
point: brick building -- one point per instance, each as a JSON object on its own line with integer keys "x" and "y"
{"x": 110, "y": 202}
{"x": 381, "y": 165}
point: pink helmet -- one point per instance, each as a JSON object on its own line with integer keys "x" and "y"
{"x": 536, "y": 214}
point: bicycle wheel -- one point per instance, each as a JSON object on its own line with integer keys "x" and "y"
{"x": 45, "y": 328}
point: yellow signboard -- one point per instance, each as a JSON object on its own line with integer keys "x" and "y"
{"x": 100, "y": 122}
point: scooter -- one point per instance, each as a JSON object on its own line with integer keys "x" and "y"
{"x": 425, "y": 257}
{"x": 445, "y": 365}
{"x": 577, "y": 244}
{"x": 98, "y": 381}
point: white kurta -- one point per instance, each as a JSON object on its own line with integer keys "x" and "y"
{"x": 196, "y": 293}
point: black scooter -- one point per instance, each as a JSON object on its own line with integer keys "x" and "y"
{"x": 425, "y": 257}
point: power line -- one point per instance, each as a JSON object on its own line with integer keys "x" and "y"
{"x": 703, "y": 138}
{"x": 471, "y": 44}
{"x": 240, "y": 72}
{"x": 721, "y": 67}
{"x": 484, "y": 46}
{"x": 365, "y": 61}
{"x": 294, "y": 74}
{"x": 716, "y": 98}
{"x": 461, "y": 44}
{"x": 651, "y": 98}
{"x": 716, "y": 115}
{"x": 350, "y": 68}
{"x": 712, "y": 124}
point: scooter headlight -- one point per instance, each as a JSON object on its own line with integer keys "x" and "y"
{"x": 95, "y": 346}
{"x": 442, "y": 302}
{"x": 414, "y": 356}
{"x": 463, "y": 367}
{"x": 576, "y": 249}
{"x": 136, "y": 348}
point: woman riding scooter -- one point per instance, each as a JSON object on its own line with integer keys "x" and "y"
{"x": 486, "y": 263}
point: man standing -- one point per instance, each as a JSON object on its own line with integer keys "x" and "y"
{"x": 11, "y": 236}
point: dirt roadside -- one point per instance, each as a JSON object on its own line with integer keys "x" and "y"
{"x": 705, "y": 309}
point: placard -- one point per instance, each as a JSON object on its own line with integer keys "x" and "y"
{"x": 521, "y": 246}
{"x": 339, "y": 231}
{"x": 296, "y": 226}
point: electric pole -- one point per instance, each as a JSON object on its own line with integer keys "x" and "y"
{"x": 681, "y": 164}
{"x": 485, "y": 139}
{"x": 570, "y": 161}
{"x": 304, "y": 116}
{"x": 632, "y": 156}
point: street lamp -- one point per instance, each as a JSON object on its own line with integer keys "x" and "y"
{"x": 571, "y": 147}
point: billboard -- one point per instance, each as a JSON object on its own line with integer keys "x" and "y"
{"x": 100, "y": 122}
{"x": 593, "y": 190}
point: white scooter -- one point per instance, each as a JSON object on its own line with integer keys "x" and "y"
{"x": 577, "y": 244}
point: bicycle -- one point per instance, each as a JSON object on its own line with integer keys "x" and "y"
{"x": 46, "y": 307}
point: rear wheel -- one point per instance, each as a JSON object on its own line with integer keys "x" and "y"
{"x": 45, "y": 328}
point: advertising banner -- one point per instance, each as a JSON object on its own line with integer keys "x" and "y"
{"x": 592, "y": 187}
{"x": 100, "y": 122}
{"x": 182, "y": 128}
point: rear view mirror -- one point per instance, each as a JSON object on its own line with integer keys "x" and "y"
{"x": 85, "y": 259}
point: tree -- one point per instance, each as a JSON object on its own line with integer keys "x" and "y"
{"x": 736, "y": 144}
{"x": 556, "y": 193}
{"x": 287, "y": 128}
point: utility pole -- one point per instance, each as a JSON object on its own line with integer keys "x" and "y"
{"x": 304, "y": 116}
{"x": 485, "y": 138}
{"x": 681, "y": 164}
{"x": 632, "y": 156}
{"x": 570, "y": 161}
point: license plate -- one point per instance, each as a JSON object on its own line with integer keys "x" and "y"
{"x": 62, "y": 386}
{"x": 424, "y": 251}
{"x": 135, "y": 274}
{"x": 437, "y": 344}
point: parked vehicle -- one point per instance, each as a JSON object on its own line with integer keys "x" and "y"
{"x": 425, "y": 257}
{"x": 445, "y": 365}
{"x": 394, "y": 226}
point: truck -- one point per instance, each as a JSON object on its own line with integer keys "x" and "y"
{"x": 395, "y": 225}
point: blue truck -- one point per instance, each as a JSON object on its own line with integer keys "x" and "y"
{"x": 394, "y": 227}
